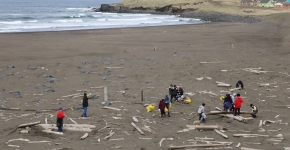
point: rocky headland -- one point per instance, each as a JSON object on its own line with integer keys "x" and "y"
{"x": 183, "y": 12}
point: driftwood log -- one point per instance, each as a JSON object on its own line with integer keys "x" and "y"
{"x": 208, "y": 127}
{"x": 52, "y": 132}
{"x": 28, "y": 124}
{"x": 224, "y": 112}
{"x": 112, "y": 108}
{"x": 220, "y": 133}
{"x": 193, "y": 146}
{"x": 15, "y": 109}
{"x": 84, "y": 136}
{"x": 70, "y": 127}
{"x": 136, "y": 127}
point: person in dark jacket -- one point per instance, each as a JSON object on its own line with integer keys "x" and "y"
{"x": 254, "y": 110}
{"x": 228, "y": 102}
{"x": 85, "y": 105}
{"x": 59, "y": 121}
{"x": 172, "y": 92}
{"x": 167, "y": 104}
{"x": 162, "y": 108}
{"x": 240, "y": 83}
{"x": 179, "y": 93}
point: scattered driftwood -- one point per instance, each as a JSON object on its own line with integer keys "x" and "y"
{"x": 84, "y": 136}
{"x": 25, "y": 140}
{"x": 207, "y": 127}
{"x": 220, "y": 133}
{"x": 119, "y": 139}
{"x": 231, "y": 90}
{"x": 70, "y": 127}
{"x": 49, "y": 110}
{"x": 15, "y": 109}
{"x": 218, "y": 109}
{"x": 140, "y": 131}
{"x": 110, "y": 135}
{"x": 105, "y": 94}
{"x": 114, "y": 67}
{"x": 275, "y": 139}
{"x": 146, "y": 128}
{"x": 249, "y": 135}
{"x": 112, "y": 108}
{"x": 205, "y": 139}
{"x": 199, "y": 79}
{"x": 28, "y": 124}
{"x": 206, "y": 92}
{"x": 195, "y": 145}
{"x": 135, "y": 119}
{"x": 72, "y": 95}
{"x": 224, "y": 112}
{"x": 239, "y": 118}
{"x": 25, "y": 131}
{"x": 212, "y": 62}
{"x": 239, "y": 144}
{"x": 52, "y": 132}
{"x": 103, "y": 128}
{"x": 72, "y": 120}
{"x": 160, "y": 143}
{"x": 222, "y": 84}
{"x": 245, "y": 148}
{"x": 255, "y": 70}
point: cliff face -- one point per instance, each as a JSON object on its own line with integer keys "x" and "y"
{"x": 120, "y": 8}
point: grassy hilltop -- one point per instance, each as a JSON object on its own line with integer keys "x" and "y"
{"x": 222, "y": 6}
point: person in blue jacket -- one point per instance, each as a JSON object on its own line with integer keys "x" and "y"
{"x": 167, "y": 103}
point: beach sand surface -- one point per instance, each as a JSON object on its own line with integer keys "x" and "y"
{"x": 153, "y": 58}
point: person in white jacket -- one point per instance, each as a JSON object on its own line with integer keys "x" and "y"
{"x": 201, "y": 113}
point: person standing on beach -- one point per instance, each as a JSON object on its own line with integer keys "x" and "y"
{"x": 85, "y": 105}
{"x": 162, "y": 108}
{"x": 228, "y": 102}
{"x": 233, "y": 99}
{"x": 238, "y": 104}
{"x": 201, "y": 113}
{"x": 59, "y": 121}
{"x": 240, "y": 83}
{"x": 254, "y": 110}
{"x": 167, "y": 104}
{"x": 171, "y": 92}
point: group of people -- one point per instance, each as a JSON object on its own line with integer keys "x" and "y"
{"x": 175, "y": 92}
{"x": 60, "y": 115}
{"x": 232, "y": 103}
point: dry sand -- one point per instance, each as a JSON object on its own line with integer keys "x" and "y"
{"x": 176, "y": 60}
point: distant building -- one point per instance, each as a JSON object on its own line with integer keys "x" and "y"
{"x": 248, "y": 2}
{"x": 266, "y": 3}
{"x": 282, "y": 4}
{"x": 286, "y": 5}
{"x": 278, "y": 5}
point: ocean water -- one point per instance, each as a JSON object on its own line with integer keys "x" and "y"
{"x": 59, "y": 15}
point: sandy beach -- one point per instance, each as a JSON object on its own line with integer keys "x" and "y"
{"x": 153, "y": 58}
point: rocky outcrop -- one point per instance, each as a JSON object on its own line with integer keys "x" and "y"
{"x": 166, "y": 8}
{"x": 187, "y": 13}
{"x": 119, "y": 8}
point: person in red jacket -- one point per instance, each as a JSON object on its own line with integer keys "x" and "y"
{"x": 238, "y": 104}
{"x": 59, "y": 121}
{"x": 162, "y": 108}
